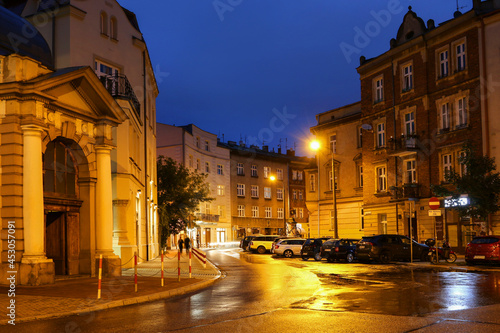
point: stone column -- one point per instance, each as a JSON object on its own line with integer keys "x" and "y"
{"x": 36, "y": 269}
{"x": 104, "y": 212}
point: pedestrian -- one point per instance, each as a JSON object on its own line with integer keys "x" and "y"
{"x": 187, "y": 244}
{"x": 180, "y": 243}
{"x": 198, "y": 240}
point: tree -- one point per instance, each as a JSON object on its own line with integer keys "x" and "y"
{"x": 180, "y": 191}
{"x": 479, "y": 182}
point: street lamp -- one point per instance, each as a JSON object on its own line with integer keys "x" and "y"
{"x": 316, "y": 146}
{"x": 273, "y": 178}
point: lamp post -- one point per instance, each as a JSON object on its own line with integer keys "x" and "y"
{"x": 273, "y": 178}
{"x": 315, "y": 145}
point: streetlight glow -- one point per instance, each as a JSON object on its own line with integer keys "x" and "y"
{"x": 272, "y": 178}
{"x": 315, "y": 145}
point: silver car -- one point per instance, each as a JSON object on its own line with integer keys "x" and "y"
{"x": 289, "y": 247}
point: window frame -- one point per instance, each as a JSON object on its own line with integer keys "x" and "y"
{"x": 380, "y": 138}
{"x": 254, "y": 191}
{"x": 411, "y": 171}
{"x": 407, "y": 77}
{"x": 220, "y": 169}
{"x": 253, "y": 170}
{"x": 381, "y": 178}
{"x": 443, "y": 63}
{"x": 220, "y": 190}
{"x": 240, "y": 190}
{"x": 241, "y": 210}
{"x": 240, "y": 169}
{"x": 269, "y": 212}
{"x": 267, "y": 192}
{"x": 255, "y": 211}
{"x": 279, "y": 193}
{"x": 378, "y": 89}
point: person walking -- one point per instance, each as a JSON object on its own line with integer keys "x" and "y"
{"x": 187, "y": 244}
{"x": 180, "y": 243}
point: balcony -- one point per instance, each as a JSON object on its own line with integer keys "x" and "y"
{"x": 403, "y": 143}
{"x": 207, "y": 217}
{"x": 406, "y": 191}
{"x": 119, "y": 87}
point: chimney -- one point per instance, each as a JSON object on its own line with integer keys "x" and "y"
{"x": 290, "y": 152}
{"x": 279, "y": 150}
{"x": 265, "y": 148}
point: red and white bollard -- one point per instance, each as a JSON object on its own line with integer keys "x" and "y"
{"x": 190, "y": 263}
{"x": 162, "y": 268}
{"x": 135, "y": 270}
{"x": 100, "y": 277}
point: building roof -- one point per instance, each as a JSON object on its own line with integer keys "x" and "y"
{"x": 14, "y": 38}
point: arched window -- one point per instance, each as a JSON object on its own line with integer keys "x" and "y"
{"x": 104, "y": 23}
{"x": 60, "y": 170}
{"x": 113, "y": 28}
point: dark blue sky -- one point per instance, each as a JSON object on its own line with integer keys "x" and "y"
{"x": 260, "y": 70}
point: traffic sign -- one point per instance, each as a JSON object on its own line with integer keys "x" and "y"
{"x": 433, "y": 212}
{"x": 434, "y": 203}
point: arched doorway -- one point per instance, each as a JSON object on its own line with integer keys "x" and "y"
{"x": 62, "y": 206}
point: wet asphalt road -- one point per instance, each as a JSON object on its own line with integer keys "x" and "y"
{"x": 267, "y": 294}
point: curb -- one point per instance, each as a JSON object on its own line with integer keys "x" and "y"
{"x": 128, "y": 301}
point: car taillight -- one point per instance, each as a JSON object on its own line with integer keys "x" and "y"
{"x": 251, "y": 243}
{"x": 336, "y": 249}
{"x": 276, "y": 246}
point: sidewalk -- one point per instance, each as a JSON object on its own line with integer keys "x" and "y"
{"x": 70, "y": 296}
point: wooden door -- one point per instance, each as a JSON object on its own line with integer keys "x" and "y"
{"x": 55, "y": 240}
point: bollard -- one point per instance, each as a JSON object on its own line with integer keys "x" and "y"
{"x": 100, "y": 277}
{"x": 135, "y": 270}
{"x": 179, "y": 266}
{"x": 190, "y": 263}
{"x": 162, "y": 268}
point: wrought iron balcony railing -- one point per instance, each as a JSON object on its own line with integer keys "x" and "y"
{"x": 405, "y": 191}
{"x": 207, "y": 217}
{"x": 119, "y": 86}
{"x": 404, "y": 143}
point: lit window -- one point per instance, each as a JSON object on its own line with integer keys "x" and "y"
{"x": 381, "y": 179}
{"x": 267, "y": 172}
{"x": 267, "y": 193}
{"x": 240, "y": 190}
{"x": 220, "y": 189}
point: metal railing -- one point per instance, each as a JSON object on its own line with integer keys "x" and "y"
{"x": 119, "y": 86}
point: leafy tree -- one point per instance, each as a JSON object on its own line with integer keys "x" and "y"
{"x": 479, "y": 181}
{"x": 180, "y": 191}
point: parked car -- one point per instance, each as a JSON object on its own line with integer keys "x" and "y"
{"x": 483, "y": 249}
{"x": 339, "y": 249}
{"x": 386, "y": 248}
{"x": 288, "y": 247}
{"x": 277, "y": 240}
{"x": 312, "y": 248}
{"x": 262, "y": 244}
{"x": 246, "y": 240}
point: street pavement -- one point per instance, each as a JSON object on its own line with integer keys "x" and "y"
{"x": 70, "y": 296}
{"x": 78, "y": 295}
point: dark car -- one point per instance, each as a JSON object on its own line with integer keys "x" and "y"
{"x": 386, "y": 248}
{"x": 245, "y": 241}
{"x": 339, "y": 249}
{"x": 483, "y": 249}
{"x": 312, "y": 248}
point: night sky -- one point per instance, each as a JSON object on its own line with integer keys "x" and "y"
{"x": 260, "y": 70}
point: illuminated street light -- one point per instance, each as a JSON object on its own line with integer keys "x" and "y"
{"x": 273, "y": 178}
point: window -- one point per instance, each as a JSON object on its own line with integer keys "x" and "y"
{"x": 381, "y": 135}
{"x": 407, "y": 78}
{"x": 330, "y": 176}
{"x": 255, "y": 191}
{"x": 190, "y": 161}
{"x": 299, "y": 175}
{"x": 460, "y": 48}
{"x": 198, "y": 164}
{"x": 301, "y": 212}
{"x": 443, "y": 64}
{"x": 381, "y": 180}
{"x": 240, "y": 189}
{"x": 379, "y": 89}
{"x": 207, "y": 167}
{"x": 411, "y": 172}
{"x": 360, "y": 175}
{"x": 445, "y": 116}
{"x": 279, "y": 194}
{"x": 239, "y": 169}
{"x": 279, "y": 173}
{"x": 221, "y": 211}
{"x": 462, "y": 166}
{"x": 104, "y": 23}
{"x": 255, "y": 211}
{"x": 301, "y": 195}
{"x": 410, "y": 123}
{"x": 447, "y": 165}
{"x": 333, "y": 144}
{"x": 361, "y": 219}
{"x": 253, "y": 170}
{"x": 220, "y": 189}
{"x": 207, "y": 145}
{"x": 241, "y": 210}
{"x": 294, "y": 194}
{"x": 294, "y": 174}
{"x": 312, "y": 183}
{"x": 207, "y": 208}
{"x": 269, "y": 212}
{"x": 60, "y": 171}
{"x": 197, "y": 142}
{"x": 360, "y": 137}
{"x": 113, "y": 27}
{"x": 280, "y": 213}
{"x": 220, "y": 169}
{"x": 267, "y": 172}
{"x": 267, "y": 193}
{"x": 105, "y": 70}
{"x": 461, "y": 112}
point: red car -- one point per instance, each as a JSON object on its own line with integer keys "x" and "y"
{"x": 483, "y": 249}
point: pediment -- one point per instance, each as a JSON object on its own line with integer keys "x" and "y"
{"x": 412, "y": 27}
{"x": 80, "y": 93}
